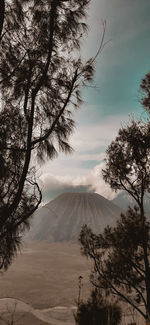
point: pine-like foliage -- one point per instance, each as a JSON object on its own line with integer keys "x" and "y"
{"x": 145, "y": 88}
{"x": 128, "y": 161}
{"x": 97, "y": 311}
{"x": 119, "y": 259}
{"x": 41, "y": 74}
{"x": 121, "y": 255}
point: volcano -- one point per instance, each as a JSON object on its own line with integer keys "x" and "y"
{"x": 62, "y": 218}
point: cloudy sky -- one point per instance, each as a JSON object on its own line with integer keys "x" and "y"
{"x": 119, "y": 70}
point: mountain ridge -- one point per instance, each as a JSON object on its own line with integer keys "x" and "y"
{"x": 124, "y": 200}
{"x": 62, "y": 218}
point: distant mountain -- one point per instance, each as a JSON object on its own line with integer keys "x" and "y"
{"x": 62, "y": 218}
{"x": 124, "y": 200}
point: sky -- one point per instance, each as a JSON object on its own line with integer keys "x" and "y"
{"x": 113, "y": 101}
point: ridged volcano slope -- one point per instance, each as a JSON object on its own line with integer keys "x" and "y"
{"x": 62, "y": 218}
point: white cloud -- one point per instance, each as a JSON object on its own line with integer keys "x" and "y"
{"x": 95, "y": 136}
{"x": 89, "y": 143}
{"x": 95, "y": 179}
{"x": 98, "y": 134}
{"x": 90, "y": 156}
{"x": 91, "y": 182}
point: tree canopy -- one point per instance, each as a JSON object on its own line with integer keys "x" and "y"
{"x": 97, "y": 311}
{"x": 121, "y": 254}
{"x": 119, "y": 259}
{"x": 41, "y": 74}
{"x": 128, "y": 161}
{"x": 145, "y": 87}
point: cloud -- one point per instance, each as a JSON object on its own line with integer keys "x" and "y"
{"x": 90, "y": 156}
{"x": 91, "y": 182}
{"x": 89, "y": 143}
{"x": 95, "y": 136}
{"x": 97, "y": 184}
{"x": 52, "y": 186}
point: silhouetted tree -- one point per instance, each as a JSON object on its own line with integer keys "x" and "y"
{"x": 2, "y": 12}
{"x": 119, "y": 259}
{"x": 145, "y": 87}
{"x": 97, "y": 311}
{"x": 41, "y": 75}
{"x": 121, "y": 254}
{"x": 128, "y": 162}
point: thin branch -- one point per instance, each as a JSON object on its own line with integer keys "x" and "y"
{"x": 111, "y": 286}
{"x": 130, "y": 192}
{"x": 13, "y": 71}
{"x": 2, "y": 14}
{"x": 129, "y": 283}
{"x": 138, "y": 269}
{"x": 102, "y": 44}
{"x": 25, "y": 216}
{"x": 47, "y": 134}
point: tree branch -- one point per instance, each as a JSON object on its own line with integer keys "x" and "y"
{"x": 47, "y": 134}
{"x": 110, "y": 286}
{"x": 2, "y": 13}
{"x": 13, "y": 71}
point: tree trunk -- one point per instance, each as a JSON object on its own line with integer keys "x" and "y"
{"x": 148, "y": 320}
{"x": 2, "y": 11}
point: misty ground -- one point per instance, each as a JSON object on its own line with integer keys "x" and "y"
{"x": 45, "y": 277}
{"x": 46, "y": 274}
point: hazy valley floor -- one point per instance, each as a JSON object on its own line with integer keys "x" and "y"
{"x": 46, "y": 275}
{"x": 44, "y": 281}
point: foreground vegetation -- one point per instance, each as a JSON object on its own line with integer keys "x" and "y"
{"x": 121, "y": 254}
